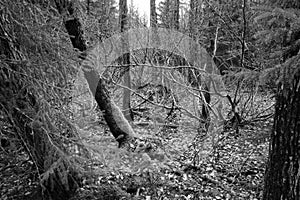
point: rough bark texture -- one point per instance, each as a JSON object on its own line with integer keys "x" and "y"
{"x": 282, "y": 178}
{"x": 115, "y": 120}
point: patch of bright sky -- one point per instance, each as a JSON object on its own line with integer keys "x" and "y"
{"x": 143, "y": 7}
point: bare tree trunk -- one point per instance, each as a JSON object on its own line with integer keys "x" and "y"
{"x": 155, "y": 40}
{"x": 153, "y": 14}
{"x": 176, "y": 14}
{"x": 195, "y": 17}
{"x": 168, "y": 22}
{"x": 117, "y": 123}
{"x": 282, "y": 178}
{"x": 195, "y": 76}
{"x": 123, "y": 20}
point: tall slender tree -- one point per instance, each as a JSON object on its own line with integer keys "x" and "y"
{"x": 153, "y": 14}
{"x": 165, "y": 13}
{"x": 194, "y": 76}
{"x": 125, "y": 61}
{"x": 169, "y": 13}
{"x": 175, "y": 14}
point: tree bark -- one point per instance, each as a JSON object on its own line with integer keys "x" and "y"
{"x": 125, "y": 61}
{"x": 282, "y": 178}
{"x": 153, "y": 14}
{"x": 117, "y": 123}
{"x": 176, "y": 14}
{"x": 166, "y": 14}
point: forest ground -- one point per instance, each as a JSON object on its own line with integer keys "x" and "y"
{"x": 184, "y": 165}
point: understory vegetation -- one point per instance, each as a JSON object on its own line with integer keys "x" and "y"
{"x": 150, "y": 123}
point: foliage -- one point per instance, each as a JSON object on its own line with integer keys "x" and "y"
{"x": 36, "y": 77}
{"x": 175, "y": 155}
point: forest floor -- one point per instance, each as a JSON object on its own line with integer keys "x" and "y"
{"x": 182, "y": 164}
{"x": 234, "y": 169}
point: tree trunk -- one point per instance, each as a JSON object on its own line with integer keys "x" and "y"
{"x": 195, "y": 76}
{"x": 153, "y": 14}
{"x": 282, "y": 178}
{"x": 168, "y": 15}
{"x": 125, "y": 61}
{"x": 59, "y": 179}
{"x": 155, "y": 40}
{"x": 117, "y": 123}
{"x": 176, "y": 14}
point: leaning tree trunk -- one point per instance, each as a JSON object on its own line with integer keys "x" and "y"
{"x": 117, "y": 123}
{"x": 282, "y": 178}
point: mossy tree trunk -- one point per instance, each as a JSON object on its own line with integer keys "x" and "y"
{"x": 20, "y": 108}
